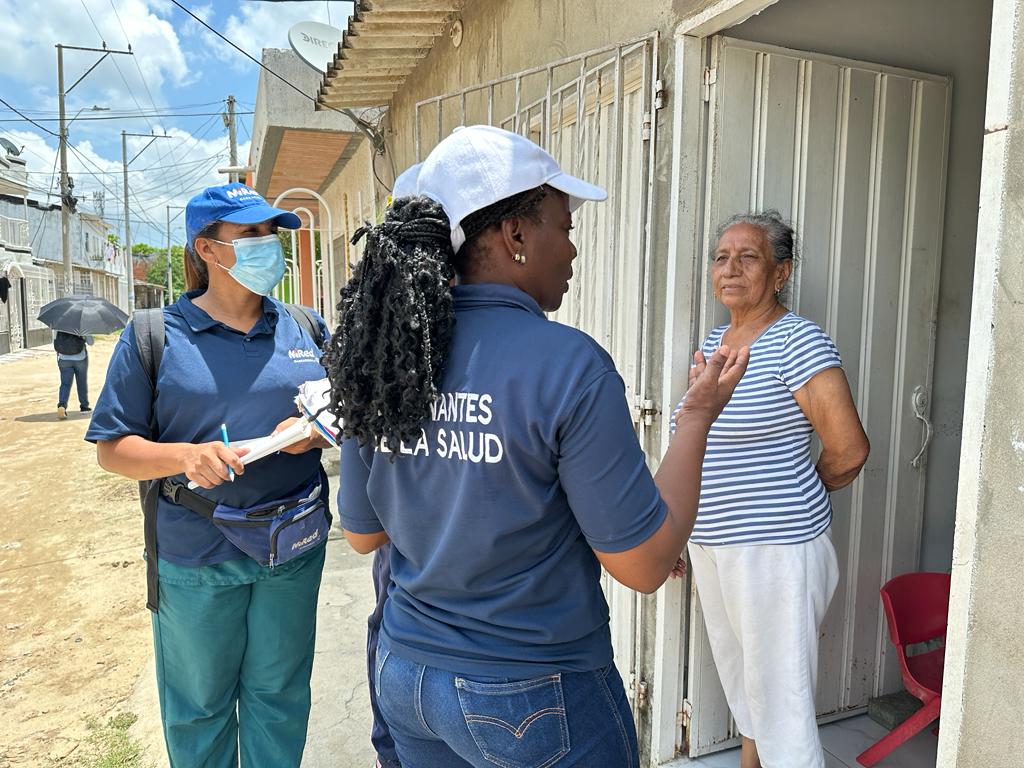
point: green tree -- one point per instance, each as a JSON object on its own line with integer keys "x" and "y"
{"x": 145, "y": 251}
{"x": 157, "y": 271}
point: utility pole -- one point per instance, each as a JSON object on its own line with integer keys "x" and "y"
{"x": 65, "y": 186}
{"x": 229, "y": 121}
{"x": 125, "y": 162}
{"x": 170, "y": 282}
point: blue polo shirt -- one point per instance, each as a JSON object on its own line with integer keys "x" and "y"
{"x": 210, "y": 375}
{"x": 528, "y": 464}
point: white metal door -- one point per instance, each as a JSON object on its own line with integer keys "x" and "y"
{"x": 855, "y": 155}
{"x": 15, "y": 302}
{"x": 593, "y": 112}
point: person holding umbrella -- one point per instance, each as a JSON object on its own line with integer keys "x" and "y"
{"x": 74, "y": 319}
{"x": 73, "y": 364}
{"x": 233, "y": 615}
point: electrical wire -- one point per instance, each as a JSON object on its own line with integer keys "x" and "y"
{"x": 374, "y": 136}
{"x": 118, "y": 110}
{"x": 113, "y": 194}
{"x": 142, "y": 76}
{"x": 152, "y": 129}
{"x": 133, "y": 116}
{"x": 29, "y": 119}
{"x": 147, "y": 169}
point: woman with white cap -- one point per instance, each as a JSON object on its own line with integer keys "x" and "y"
{"x": 495, "y": 451}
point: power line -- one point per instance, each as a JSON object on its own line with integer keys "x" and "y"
{"x": 119, "y": 110}
{"x": 132, "y": 116}
{"x": 29, "y": 119}
{"x": 367, "y": 130}
{"x": 142, "y": 76}
{"x": 124, "y": 80}
{"x": 147, "y": 169}
{"x": 114, "y": 194}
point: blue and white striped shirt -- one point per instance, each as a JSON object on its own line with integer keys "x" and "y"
{"x": 758, "y": 484}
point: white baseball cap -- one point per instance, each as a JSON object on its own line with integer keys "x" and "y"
{"x": 405, "y": 184}
{"x": 479, "y": 165}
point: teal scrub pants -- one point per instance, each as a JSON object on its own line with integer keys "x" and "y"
{"x": 234, "y": 652}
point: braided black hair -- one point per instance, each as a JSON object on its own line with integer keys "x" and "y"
{"x": 387, "y": 355}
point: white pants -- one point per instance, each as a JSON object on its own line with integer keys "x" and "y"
{"x": 763, "y": 606}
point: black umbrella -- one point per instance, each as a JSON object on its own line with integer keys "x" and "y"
{"x": 82, "y": 315}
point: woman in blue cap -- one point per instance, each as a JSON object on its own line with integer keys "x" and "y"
{"x": 495, "y": 451}
{"x": 234, "y": 608}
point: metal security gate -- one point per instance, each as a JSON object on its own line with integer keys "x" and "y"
{"x": 855, "y": 155}
{"x": 595, "y": 113}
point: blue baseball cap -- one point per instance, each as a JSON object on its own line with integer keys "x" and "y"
{"x": 236, "y": 204}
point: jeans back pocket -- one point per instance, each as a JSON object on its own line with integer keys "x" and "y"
{"x": 516, "y": 725}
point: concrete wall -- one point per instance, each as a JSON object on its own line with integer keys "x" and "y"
{"x": 502, "y": 37}
{"x": 983, "y": 693}
{"x": 279, "y": 107}
{"x": 948, "y": 37}
{"x": 354, "y": 197}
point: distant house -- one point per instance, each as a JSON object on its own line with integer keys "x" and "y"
{"x": 31, "y": 258}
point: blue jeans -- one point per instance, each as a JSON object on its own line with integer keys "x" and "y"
{"x": 77, "y": 370}
{"x": 440, "y": 719}
{"x": 380, "y": 734}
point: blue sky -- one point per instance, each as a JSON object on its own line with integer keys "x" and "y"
{"x": 179, "y": 71}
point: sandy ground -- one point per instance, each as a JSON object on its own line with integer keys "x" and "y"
{"x": 74, "y": 629}
{"x": 75, "y": 641}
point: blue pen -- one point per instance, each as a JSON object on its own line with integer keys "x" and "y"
{"x": 224, "y": 437}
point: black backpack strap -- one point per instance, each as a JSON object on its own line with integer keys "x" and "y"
{"x": 148, "y": 325}
{"x": 307, "y": 321}
{"x": 149, "y": 339}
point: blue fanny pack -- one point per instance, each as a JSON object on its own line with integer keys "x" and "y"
{"x": 271, "y": 533}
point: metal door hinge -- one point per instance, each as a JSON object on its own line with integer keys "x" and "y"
{"x": 648, "y": 411}
{"x": 659, "y": 94}
{"x": 645, "y": 131}
{"x": 683, "y": 718}
{"x": 642, "y": 693}
{"x": 710, "y": 78}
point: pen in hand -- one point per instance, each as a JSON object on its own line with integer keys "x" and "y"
{"x": 224, "y": 437}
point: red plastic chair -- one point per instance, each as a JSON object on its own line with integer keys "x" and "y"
{"x": 916, "y": 608}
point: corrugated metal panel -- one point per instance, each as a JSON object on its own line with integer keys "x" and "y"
{"x": 384, "y": 43}
{"x": 854, "y": 155}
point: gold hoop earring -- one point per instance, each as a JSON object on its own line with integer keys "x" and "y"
{"x": 518, "y": 258}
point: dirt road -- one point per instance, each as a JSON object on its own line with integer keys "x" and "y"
{"x": 75, "y": 644}
{"x": 74, "y": 631}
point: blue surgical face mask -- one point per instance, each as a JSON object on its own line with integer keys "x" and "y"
{"x": 259, "y": 263}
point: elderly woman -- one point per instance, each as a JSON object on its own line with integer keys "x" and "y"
{"x": 761, "y": 550}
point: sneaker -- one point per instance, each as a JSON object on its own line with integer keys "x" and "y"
{"x": 62, "y": 412}
{"x": 85, "y": 408}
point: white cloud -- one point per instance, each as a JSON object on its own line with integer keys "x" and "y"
{"x": 265, "y": 25}
{"x": 188, "y": 164}
{"x": 27, "y": 48}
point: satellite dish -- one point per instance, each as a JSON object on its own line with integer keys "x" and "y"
{"x": 315, "y": 43}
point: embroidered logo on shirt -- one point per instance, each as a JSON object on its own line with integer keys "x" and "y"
{"x": 302, "y": 355}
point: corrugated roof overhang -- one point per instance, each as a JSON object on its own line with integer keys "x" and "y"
{"x": 385, "y": 42}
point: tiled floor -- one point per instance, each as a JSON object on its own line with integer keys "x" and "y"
{"x": 846, "y": 739}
